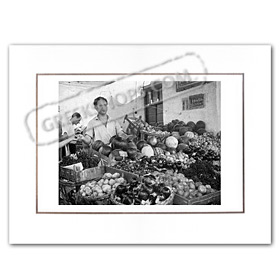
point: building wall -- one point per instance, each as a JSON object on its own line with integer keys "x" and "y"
{"x": 120, "y": 95}
{"x": 210, "y": 114}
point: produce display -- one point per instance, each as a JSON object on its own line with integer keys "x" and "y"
{"x": 87, "y": 160}
{"x": 177, "y": 161}
{"x": 204, "y": 147}
{"x": 186, "y": 161}
{"x": 101, "y": 188}
{"x": 205, "y": 172}
{"x": 182, "y": 185}
{"x": 147, "y": 192}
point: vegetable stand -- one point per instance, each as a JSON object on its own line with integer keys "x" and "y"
{"x": 173, "y": 164}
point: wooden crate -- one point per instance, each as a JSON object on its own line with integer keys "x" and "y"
{"x": 211, "y": 198}
{"x": 79, "y": 176}
{"x": 106, "y": 199}
{"x": 126, "y": 175}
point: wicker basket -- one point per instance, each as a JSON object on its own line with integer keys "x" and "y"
{"x": 168, "y": 201}
{"x": 90, "y": 200}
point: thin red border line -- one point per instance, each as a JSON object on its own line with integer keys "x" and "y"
{"x": 243, "y": 141}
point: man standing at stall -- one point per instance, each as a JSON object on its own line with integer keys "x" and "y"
{"x": 101, "y": 127}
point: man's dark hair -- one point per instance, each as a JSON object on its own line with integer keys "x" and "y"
{"x": 77, "y": 115}
{"x": 99, "y": 98}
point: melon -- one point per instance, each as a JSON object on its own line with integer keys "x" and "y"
{"x": 171, "y": 142}
{"x": 184, "y": 139}
{"x": 182, "y": 147}
{"x": 177, "y": 127}
{"x": 162, "y": 146}
{"x": 158, "y": 151}
{"x": 105, "y": 150}
{"x": 183, "y": 130}
{"x": 131, "y": 153}
{"x": 131, "y": 145}
{"x": 141, "y": 144}
{"x": 191, "y": 124}
{"x": 147, "y": 151}
{"x": 176, "y": 134}
{"x": 200, "y": 131}
{"x": 200, "y": 124}
{"x": 96, "y": 145}
{"x": 189, "y": 134}
{"x": 152, "y": 140}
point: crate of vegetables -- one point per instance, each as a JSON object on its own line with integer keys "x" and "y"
{"x": 98, "y": 191}
{"x": 211, "y": 198}
{"x": 76, "y": 173}
{"x": 188, "y": 192}
{"x": 143, "y": 191}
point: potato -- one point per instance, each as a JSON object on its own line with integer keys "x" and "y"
{"x": 192, "y": 186}
{"x": 181, "y": 192}
{"x": 186, "y": 194}
{"x": 180, "y": 186}
{"x": 106, "y": 182}
{"x": 116, "y": 175}
{"x": 112, "y": 182}
{"x": 109, "y": 175}
{"x": 120, "y": 180}
{"x": 100, "y": 182}
{"x": 98, "y": 189}
{"x": 100, "y": 194}
{"x": 105, "y": 186}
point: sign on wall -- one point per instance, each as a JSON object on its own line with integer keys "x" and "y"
{"x": 196, "y": 101}
{"x": 193, "y": 102}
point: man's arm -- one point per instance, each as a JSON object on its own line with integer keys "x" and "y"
{"x": 120, "y": 131}
{"x": 88, "y": 133}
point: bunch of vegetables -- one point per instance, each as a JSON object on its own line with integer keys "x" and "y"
{"x": 182, "y": 185}
{"x": 205, "y": 172}
{"x": 157, "y": 131}
{"x": 103, "y": 187}
{"x": 69, "y": 160}
{"x": 204, "y": 147}
{"x": 148, "y": 192}
{"x": 177, "y": 161}
{"x": 87, "y": 160}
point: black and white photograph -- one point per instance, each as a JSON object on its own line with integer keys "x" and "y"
{"x": 145, "y": 142}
